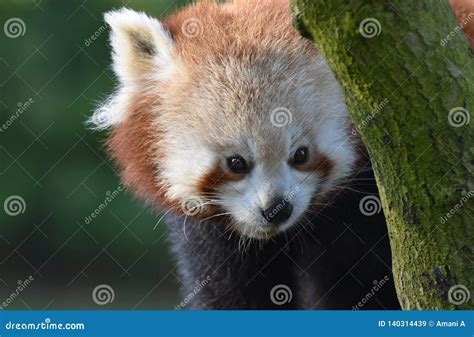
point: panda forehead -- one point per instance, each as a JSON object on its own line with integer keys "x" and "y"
{"x": 231, "y": 116}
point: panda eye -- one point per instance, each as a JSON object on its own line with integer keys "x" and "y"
{"x": 301, "y": 156}
{"x": 237, "y": 164}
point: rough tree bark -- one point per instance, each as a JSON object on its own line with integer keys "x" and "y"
{"x": 410, "y": 90}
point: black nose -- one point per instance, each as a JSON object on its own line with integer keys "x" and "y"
{"x": 279, "y": 211}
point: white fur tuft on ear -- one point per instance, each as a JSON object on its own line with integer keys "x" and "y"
{"x": 142, "y": 49}
{"x": 140, "y": 43}
{"x": 111, "y": 112}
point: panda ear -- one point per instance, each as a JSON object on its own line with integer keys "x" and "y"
{"x": 140, "y": 44}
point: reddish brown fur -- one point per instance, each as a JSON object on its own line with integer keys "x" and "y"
{"x": 211, "y": 182}
{"x": 318, "y": 163}
{"x": 216, "y": 178}
{"x": 462, "y": 9}
{"x": 267, "y": 23}
{"x": 131, "y": 145}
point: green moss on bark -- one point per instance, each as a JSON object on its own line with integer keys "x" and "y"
{"x": 422, "y": 158}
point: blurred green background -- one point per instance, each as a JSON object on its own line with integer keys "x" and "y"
{"x": 54, "y": 172}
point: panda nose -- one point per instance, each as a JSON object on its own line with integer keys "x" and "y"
{"x": 279, "y": 211}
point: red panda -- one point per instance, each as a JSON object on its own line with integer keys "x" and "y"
{"x": 233, "y": 125}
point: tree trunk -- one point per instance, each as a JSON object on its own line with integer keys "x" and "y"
{"x": 408, "y": 77}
